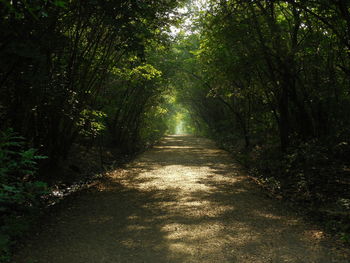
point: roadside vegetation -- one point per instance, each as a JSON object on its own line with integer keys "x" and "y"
{"x": 269, "y": 81}
{"x": 85, "y": 83}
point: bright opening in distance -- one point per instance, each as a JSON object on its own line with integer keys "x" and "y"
{"x": 179, "y": 129}
{"x": 189, "y": 13}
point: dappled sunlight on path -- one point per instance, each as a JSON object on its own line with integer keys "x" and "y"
{"x": 182, "y": 201}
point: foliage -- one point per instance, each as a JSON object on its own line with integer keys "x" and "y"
{"x": 20, "y": 193}
{"x": 58, "y": 62}
{"x": 269, "y": 81}
{"x": 91, "y": 123}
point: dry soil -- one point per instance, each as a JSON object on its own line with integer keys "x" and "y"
{"x": 185, "y": 200}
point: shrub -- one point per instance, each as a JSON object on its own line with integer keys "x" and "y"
{"x": 20, "y": 193}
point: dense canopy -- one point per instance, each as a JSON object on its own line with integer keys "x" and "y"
{"x": 268, "y": 80}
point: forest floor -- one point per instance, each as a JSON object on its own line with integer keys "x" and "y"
{"x": 185, "y": 200}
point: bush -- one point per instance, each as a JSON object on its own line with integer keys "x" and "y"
{"x": 20, "y": 193}
{"x": 312, "y": 171}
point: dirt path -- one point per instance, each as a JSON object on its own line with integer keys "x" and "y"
{"x": 183, "y": 201}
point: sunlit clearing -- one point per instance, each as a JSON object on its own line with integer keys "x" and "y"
{"x": 181, "y": 123}
{"x": 179, "y": 128}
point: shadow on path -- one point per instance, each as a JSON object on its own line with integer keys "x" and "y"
{"x": 182, "y": 201}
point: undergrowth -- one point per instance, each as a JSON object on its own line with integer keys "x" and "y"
{"x": 314, "y": 175}
{"x": 20, "y": 192}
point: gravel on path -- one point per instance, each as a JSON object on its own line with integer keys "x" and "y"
{"x": 185, "y": 200}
